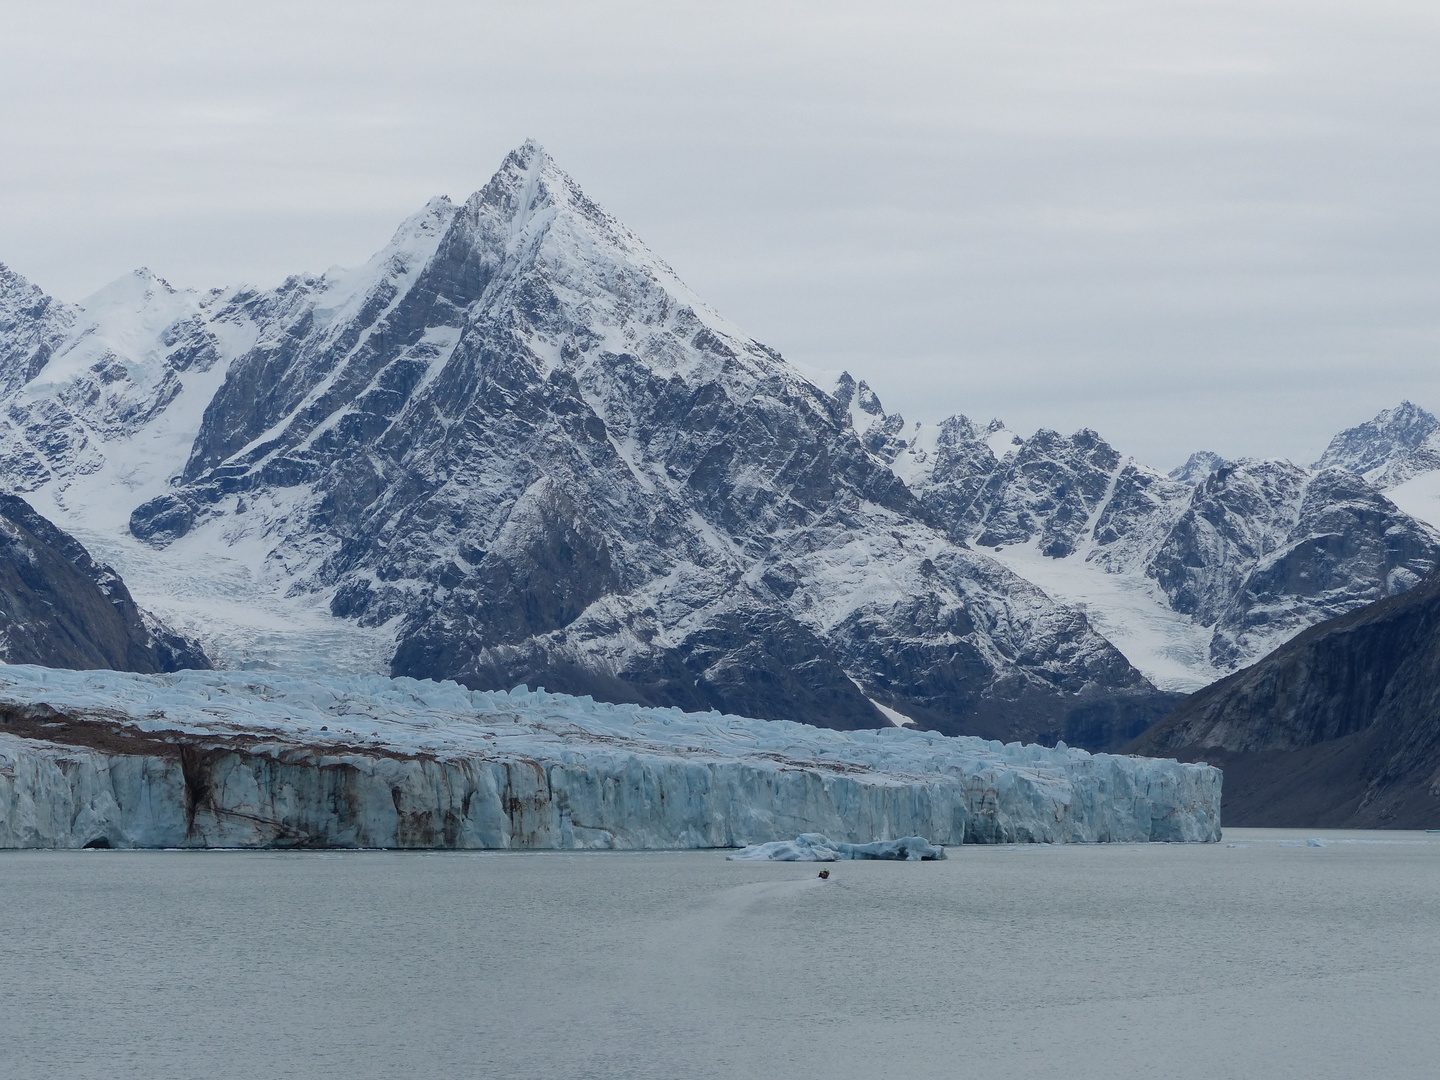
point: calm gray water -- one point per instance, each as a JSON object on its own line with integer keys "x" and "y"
{"x": 1256, "y": 960}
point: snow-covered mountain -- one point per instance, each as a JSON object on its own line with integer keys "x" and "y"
{"x": 1399, "y": 453}
{"x": 1396, "y": 446}
{"x": 516, "y": 448}
{"x": 1195, "y": 573}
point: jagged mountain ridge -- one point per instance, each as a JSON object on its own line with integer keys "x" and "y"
{"x": 31, "y": 326}
{"x": 519, "y": 448}
{"x": 1195, "y": 573}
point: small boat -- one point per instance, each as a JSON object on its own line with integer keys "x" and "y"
{"x": 1433, "y": 830}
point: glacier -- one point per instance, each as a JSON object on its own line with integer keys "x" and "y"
{"x": 263, "y": 759}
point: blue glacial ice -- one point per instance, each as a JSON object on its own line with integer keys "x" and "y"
{"x": 246, "y": 759}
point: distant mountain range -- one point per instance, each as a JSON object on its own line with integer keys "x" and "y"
{"x": 1194, "y": 573}
{"x": 515, "y": 448}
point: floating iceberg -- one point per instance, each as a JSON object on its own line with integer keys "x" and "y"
{"x": 248, "y": 759}
{"x": 813, "y": 847}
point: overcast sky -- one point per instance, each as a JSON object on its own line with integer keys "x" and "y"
{"x": 1183, "y": 224}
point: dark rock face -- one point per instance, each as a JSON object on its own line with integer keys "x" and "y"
{"x": 962, "y": 467}
{"x": 1339, "y": 727}
{"x": 60, "y": 608}
{"x": 1048, "y": 488}
{"x": 1353, "y": 547}
{"x": 1236, "y": 517}
{"x": 940, "y": 661}
{"x": 753, "y": 662}
{"x": 879, "y": 432}
{"x": 162, "y": 519}
{"x": 31, "y": 326}
{"x": 1264, "y": 549}
{"x": 1142, "y": 508}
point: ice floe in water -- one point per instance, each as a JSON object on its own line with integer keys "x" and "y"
{"x": 813, "y": 847}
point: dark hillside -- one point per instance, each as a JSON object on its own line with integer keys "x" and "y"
{"x": 1339, "y": 727}
{"x": 60, "y": 608}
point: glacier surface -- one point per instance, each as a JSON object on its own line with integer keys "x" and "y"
{"x": 247, "y": 759}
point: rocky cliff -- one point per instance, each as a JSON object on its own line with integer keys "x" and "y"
{"x": 60, "y": 608}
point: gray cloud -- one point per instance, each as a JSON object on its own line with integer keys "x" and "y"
{"x": 1185, "y": 224}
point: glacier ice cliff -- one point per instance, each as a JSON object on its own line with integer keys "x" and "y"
{"x": 246, "y": 759}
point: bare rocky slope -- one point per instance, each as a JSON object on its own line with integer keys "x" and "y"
{"x": 60, "y": 608}
{"x": 1338, "y": 728}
